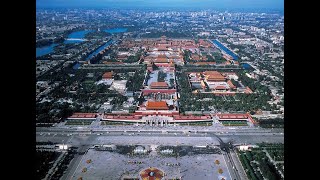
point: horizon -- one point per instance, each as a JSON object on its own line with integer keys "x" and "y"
{"x": 173, "y": 4}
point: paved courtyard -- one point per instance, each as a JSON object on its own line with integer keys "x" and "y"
{"x": 113, "y": 166}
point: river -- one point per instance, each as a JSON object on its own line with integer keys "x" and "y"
{"x": 44, "y": 50}
{"x": 97, "y": 51}
{"x": 246, "y": 66}
{"x": 79, "y": 35}
{"x": 116, "y": 30}
{"x": 225, "y": 49}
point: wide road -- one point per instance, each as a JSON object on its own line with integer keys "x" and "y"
{"x": 238, "y": 166}
{"x": 158, "y": 129}
{"x": 74, "y": 164}
{"x": 231, "y": 166}
{"x": 78, "y": 138}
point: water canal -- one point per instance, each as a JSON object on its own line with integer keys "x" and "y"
{"x": 74, "y": 37}
{"x": 225, "y": 49}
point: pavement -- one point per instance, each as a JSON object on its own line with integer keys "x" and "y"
{"x": 111, "y": 165}
{"x": 85, "y": 137}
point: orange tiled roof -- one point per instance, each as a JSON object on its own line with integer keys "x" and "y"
{"x": 230, "y": 84}
{"x": 162, "y": 56}
{"x": 221, "y": 87}
{"x": 83, "y": 115}
{"x": 160, "y": 60}
{"x": 158, "y": 105}
{"x": 214, "y": 76}
{"x": 107, "y": 75}
{"x": 159, "y": 84}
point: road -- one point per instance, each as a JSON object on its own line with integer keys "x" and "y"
{"x": 74, "y": 164}
{"x": 98, "y": 128}
{"x": 231, "y": 166}
{"x": 238, "y": 165}
{"x": 226, "y": 147}
{"x": 77, "y": 137}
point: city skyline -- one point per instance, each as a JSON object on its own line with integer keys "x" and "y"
{"x": 207, "y": 4}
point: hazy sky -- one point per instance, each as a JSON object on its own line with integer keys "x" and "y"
{"x": 243, "y": 4}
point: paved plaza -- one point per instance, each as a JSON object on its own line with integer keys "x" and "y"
{"x": 111, "y": 166}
